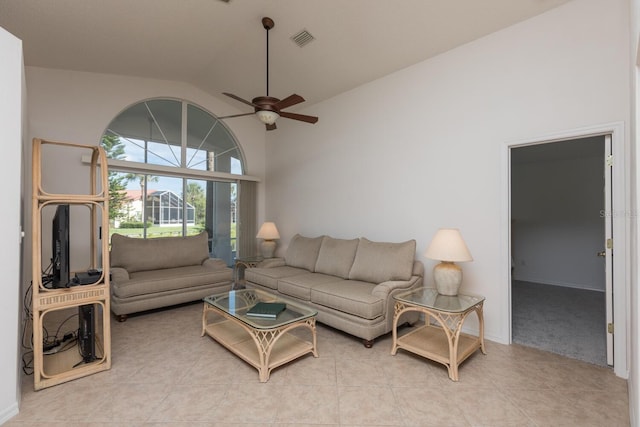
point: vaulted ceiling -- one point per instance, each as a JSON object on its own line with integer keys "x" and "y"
{"x": 220, "y": 46}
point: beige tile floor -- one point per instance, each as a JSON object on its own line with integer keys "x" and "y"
{"x": 165, "y": 374}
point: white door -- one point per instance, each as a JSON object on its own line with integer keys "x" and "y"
{"x": 608, "y": 246}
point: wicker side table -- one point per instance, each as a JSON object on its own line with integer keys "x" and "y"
{"x": 240, "y": 265}
{"x": 440, "y": 338}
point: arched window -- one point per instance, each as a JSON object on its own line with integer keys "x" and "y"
{"x": 174, "y": 169}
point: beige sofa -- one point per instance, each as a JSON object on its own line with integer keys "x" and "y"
{"x": 159, "y": 272}
{"x": 351, "y": 283}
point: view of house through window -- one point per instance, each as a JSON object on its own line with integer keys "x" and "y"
{"x": 147, "y": 199}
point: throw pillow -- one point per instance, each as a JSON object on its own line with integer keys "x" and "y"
{"x": 336, "y": 256}
{"x": 135, "y": 254}
{"x": 378, "y": 262}
{"x": 303, "y": 252}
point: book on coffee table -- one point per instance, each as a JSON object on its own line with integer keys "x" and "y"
{"x": 267, "y": 309}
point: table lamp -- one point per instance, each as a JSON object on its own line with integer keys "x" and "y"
{"x": 268, "y": 233}
{"x": 448, "y": 247}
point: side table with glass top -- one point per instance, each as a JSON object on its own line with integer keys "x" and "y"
{"x": 440, "y": 339}
{"x": 240, "y": 265}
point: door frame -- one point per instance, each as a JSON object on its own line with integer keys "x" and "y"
{"x": 620, "y": 221}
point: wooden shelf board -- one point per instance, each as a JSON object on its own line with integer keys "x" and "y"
{"x": 431, "y": 342}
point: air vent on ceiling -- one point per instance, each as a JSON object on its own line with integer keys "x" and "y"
{"x": 302, "y": 38}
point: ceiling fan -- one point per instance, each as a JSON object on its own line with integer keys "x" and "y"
{"x": 267, "y": 108}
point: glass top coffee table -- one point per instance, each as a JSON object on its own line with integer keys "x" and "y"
{"x": 440, "y": 338}
{"x": 264, "y": 343}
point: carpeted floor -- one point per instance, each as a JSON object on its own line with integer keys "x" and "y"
{"x": 566, "y": 321}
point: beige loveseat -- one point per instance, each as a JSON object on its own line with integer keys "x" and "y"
{"x": 159, "y": 272}
{"x": 351, "y": 283}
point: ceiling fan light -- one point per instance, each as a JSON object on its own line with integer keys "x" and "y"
{"x": 267, "y": 117}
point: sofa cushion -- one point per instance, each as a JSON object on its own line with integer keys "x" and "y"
{"x": 379, "y": 262}
{"x": 336, "y": 256}
{"x": 303, "y": 252}
{"x": 300, "y": 286}
{"x": 157, "y": 281}
{"x": 269, "y": 277}
{"x": 135, "y": 254}
{"x": 352, "y": 297}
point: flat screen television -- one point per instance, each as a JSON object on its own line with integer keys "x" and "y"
{"x": 60, "y": 274}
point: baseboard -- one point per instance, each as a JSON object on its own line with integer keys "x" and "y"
{"x": 7, "y": 413}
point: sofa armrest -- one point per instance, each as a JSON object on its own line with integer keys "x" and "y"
{"x": 119, "y": 274}
{"x": 272, "y": 262}
{"x": 386, "y": 291}
{"x": 215, "y": 263}
{"x": 383, "y": 289}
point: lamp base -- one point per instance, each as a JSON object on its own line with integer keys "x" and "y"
{"x": 448, "y": 277}
{"x": 267, "y": 247}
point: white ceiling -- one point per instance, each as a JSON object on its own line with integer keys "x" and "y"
{"x": 221, "y": 47}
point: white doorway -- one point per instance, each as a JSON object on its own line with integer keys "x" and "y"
{"x": 619, "y": 224}
{"x": 560, "y": 194}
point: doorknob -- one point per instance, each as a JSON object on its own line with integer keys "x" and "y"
{"x": 601, "y": 253}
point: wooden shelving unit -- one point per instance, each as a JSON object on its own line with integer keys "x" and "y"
{"x": 50, "y": 370}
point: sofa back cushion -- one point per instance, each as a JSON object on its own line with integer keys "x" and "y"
{"x": 135, "y": 254}
{"x": 379, "y": 262}
{"x": 336, "y": 256}
{"x": 303, "y": 252}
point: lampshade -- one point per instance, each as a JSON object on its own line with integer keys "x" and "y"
{"x": 448, "y": 245}
{"x": 267, "y": 117}
{"x": 268, "y": 231}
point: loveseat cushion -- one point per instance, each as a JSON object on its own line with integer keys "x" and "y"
{"x": 352, "y": 297}
{"x": 336, "y": 256}
{"x": 135, "y": 254}
{"x": 269, "y": 276}
{"x": 379, "y": 262}
{"x": 303, "y": 252}
{"x": 157, "y": 281}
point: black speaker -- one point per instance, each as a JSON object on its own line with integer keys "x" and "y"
{"x": 86, "y": 332}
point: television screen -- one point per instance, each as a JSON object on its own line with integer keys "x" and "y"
{"x": 60, "y": 275}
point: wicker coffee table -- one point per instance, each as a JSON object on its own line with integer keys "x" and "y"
{"x": 262, "y": 342}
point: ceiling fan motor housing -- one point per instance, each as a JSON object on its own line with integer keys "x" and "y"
{"x": 267, "y": 103}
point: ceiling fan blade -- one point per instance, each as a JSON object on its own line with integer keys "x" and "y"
{"x": 289, "y": 101}
{"x": 237, "y": 98}
{"x": 271, "y": 127}
{"x": 236, "y": 115}
{"x": 301, "y": 117}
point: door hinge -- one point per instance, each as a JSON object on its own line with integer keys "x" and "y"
{"x": 609, "y": 243}
{"x": 609, "y": 160}
{"x": 610, "y": 328}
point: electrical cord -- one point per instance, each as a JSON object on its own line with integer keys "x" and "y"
{"x": 51, "y": 343}
{"x": 27, "y": 355}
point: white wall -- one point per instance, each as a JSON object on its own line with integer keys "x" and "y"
{"x": 77, "y": 107}
{"x": 11, "y": 111}
{"x": 421, "y": 148}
